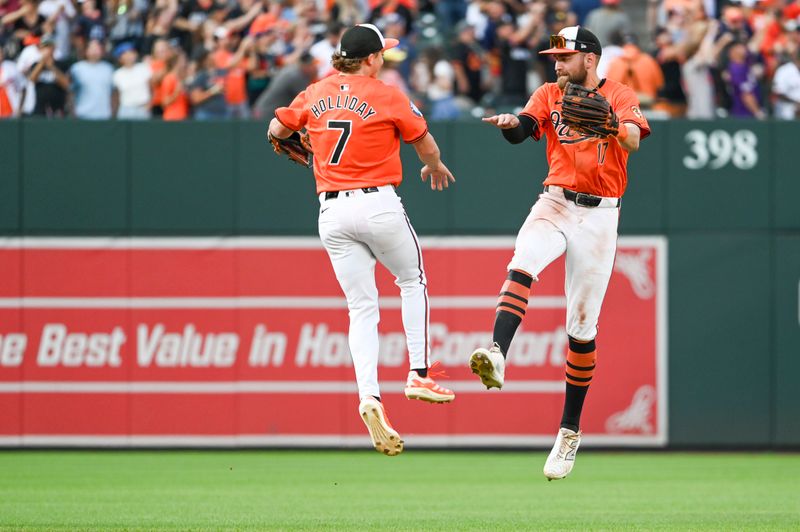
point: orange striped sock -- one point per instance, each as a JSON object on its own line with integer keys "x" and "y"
{"x": 514, "y": 294}
{"x": 511, "y": 307}
{"x": 581, "y": 360}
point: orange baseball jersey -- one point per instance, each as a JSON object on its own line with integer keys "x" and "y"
{"x": 591, "y": 165}
{"x": 355, "y": 124}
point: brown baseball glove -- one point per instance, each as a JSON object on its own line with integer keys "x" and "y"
{"x": 296, "y": 147}
{"x": 586, "y": 111}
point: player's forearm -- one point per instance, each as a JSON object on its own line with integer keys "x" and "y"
{"x": 524, "y": 129}
{"x": 277, "y": 129}
{"x": 629, "y": 137}
{"x": 428, "y": 151}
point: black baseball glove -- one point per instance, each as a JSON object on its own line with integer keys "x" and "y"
{"x": 586, "y": 111}
{"x": 296, "y": 147}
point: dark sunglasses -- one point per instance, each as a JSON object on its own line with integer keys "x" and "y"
{"x": 559, "y": 41}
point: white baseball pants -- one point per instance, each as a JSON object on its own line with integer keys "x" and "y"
{"x": 589, "y": 237}
{"x": 358, "y": 229}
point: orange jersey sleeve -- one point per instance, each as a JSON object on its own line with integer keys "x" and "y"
{"x": 626, "y": 105}
{"x": 355, "y": 124}
{"x": 579, "y": 162}
{"x": 407, "y": 118}
{"x": 295, "y": 116}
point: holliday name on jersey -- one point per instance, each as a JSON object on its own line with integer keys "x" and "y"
{"x": 349, "y": 103}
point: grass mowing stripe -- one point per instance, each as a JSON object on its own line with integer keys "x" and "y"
{"x": 311, "y": 490}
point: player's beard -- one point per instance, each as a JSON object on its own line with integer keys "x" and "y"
{"x": 578, "y": 78}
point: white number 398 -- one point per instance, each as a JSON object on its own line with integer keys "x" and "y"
{"x": 718, "y": 148}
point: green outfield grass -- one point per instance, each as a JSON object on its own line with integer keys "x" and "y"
{"x": 363, "y": 490}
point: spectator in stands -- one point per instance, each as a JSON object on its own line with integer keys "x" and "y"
{"x": 28, "y": 57}
{"x": 229, "y": 55}
{"x": 92, "y": 84}
{"x": 434, "y": 77}
{"x": 89, "y": 26}
{"x": 238, "y": 19}
{"x": 188, "y": 24}
{"x": 607, "y": 19}
{"x": 388, "y": 7}
{"x": 699, "y": 46}
{"x": 390, "y": 73}
{"x": 175, "y": 102}
{"x": 126, "y": 20}
{"x": 469, "y": 63}
{"x": 745, "y": 97}
{"x": 637, "y": 70}
{"x": 207, "y": 89}
{"x": 60, "y": 13}
{"x": 323, "y": 49}
{"x": 157, "y": 27}
{"x": 289, "y": 81}
{"x": 25, "y": 21}
{"x": 671, "y": 98}
{"x": 50, "y": 81}
{"x": 11, "y": 86}
{"x": 611, "y": 51}
{"x": 786, "y": 88}
{"x": 263, "y": 64}
{"x": 348, "y": 12}
{"x": 131, "y": 84}
{"x": 514, "y": 48}
{"x": 161, "y": 54}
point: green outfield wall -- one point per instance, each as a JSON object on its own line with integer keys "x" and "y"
{"x": 726, "y": 194}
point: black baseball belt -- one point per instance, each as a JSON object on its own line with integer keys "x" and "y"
{"x": 335, "y": 193}
{"x": 585, "y": 200}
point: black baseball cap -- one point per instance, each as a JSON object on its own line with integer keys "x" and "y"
{"x": 363, "y": 40}
{"x": 574, "y": 39}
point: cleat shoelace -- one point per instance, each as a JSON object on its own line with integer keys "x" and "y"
{"x": 436, "y": 370}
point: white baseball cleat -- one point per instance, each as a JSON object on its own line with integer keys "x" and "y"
{"x": 562, "y": 458}
{"x": 489, "y": 365}
{"x": 426, "y": 389}
{"x": 385, "y": 439}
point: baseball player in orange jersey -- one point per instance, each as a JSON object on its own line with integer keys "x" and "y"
{"x": 578, "y": 214}
{"x": 355, "y": 123}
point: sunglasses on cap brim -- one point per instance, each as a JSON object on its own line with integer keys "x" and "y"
{"x": 558, "y": 45}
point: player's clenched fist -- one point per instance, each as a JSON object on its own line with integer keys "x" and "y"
{"x": 503, "y": 121}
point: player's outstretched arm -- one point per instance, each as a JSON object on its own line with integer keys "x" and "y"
{"x": 515, "y": 128}
{"x": 428, "y": 153}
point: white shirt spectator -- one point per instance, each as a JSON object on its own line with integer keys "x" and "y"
{"x": 787, "y": 83}
{"x": 442, "y": 84}
{"x": 92, "y": 84}
{"x": 133, "y": 85}
{"x": 29, "y": 56}
{"x": 322, "y": 52}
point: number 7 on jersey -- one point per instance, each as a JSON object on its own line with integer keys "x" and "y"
{"x": 346, "y": 128}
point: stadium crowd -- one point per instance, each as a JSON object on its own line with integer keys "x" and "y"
{"x": 218, "y": 59}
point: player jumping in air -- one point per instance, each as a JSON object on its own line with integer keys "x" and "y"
{"x": 355, "y": 123}
{"x": 577, "y": 213}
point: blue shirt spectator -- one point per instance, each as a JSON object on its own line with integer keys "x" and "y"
{"x": 92, "y": 83}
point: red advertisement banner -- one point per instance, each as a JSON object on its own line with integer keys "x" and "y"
{"x": 243, "y": 342}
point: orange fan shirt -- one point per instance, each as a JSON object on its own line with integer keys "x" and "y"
{"x": 179, "y": 108}
{"x": 581, "y": 163}
{"x": 355, "y": 124}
